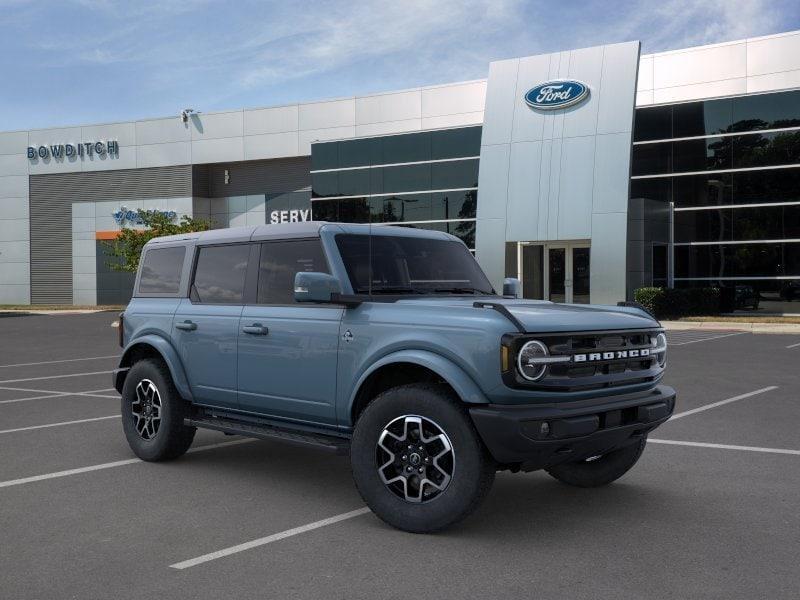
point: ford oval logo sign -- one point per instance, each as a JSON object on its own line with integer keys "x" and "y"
{"x": 556, "y": 94}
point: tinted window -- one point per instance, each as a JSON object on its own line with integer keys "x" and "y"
{"x": 454, "y": 143}
{"x": 454, "y": 205}
{"x": 766, "y": 111}
{"x": 280, "y": 262}
{"x": 653, "y": 123}
{"x": 737, "y": 260}
{"x": 358, "y": 153}
{"x": 406, "y": 265}
{"x": 652, "y": 159}
{"x": 756, "y": 150}
{"x": 325, "y": 184}
{"x": 354, "y": 210}
{"x": 653, "y": 189}
{"x": 774, "y": 185}
{"x": 406, "y": 148}
{"x": 456, "y": 174}
{"x": 354, "y": 182}
{"x": 410, "y": 178}
{"x": 702, "y": 155}
{"x": 325, "y": 156}
{"x": 220, "y": 274}
{"x": 161, "y": 270}
{"x": 701, "y": 118}
{"x": 325, "y": 210}
{"x": 702, "y": 190}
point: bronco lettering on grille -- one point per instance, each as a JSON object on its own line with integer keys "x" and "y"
{"x": 616, "y": 355}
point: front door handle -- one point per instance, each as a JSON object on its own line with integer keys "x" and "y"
{"x": 255, "y": 329}
{"x": 186, "y": 326}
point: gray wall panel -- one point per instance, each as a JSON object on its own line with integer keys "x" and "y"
{"x": 259, "y": 177}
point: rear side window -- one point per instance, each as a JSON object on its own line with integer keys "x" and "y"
{"x": 280, "y": 262}
{"x": 220, "y": 274}
{"x": 161, "y": 270}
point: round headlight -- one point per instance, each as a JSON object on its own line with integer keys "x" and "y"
{"x": 659, "y": 344}
{"x": 529, "y": 360}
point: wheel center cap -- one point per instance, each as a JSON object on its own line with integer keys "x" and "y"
{"x": 414, "y": 459}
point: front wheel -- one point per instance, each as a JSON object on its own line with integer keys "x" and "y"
{"x": 417, "y": 460}
{"x": 601, "y": 470}
{"x": 153, "y": 412}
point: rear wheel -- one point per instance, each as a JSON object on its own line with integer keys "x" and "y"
{"x": 153, "y": 413}
{"x": 600, "y": 470}
{"x": 417, "y": 460}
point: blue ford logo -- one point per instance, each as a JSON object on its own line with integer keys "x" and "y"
{"x": 556, "y": 94}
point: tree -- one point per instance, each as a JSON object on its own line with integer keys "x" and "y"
{"x": 127, "y": 248}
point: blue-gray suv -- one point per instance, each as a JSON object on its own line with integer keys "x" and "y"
{"x": 390, "y": 345}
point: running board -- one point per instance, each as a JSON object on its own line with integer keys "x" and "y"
{"x": 333, "y": 444}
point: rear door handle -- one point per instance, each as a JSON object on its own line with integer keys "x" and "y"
{"x": 186, "y": 326}
{"x": 255, "y": 329}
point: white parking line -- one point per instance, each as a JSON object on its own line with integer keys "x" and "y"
{"x": 705, "y": 338}
{"x": 58, "y": 424}
{"x": 111, "y": 465}
{"x": 51, "y": 362}
{"x": 693, "y": 411}
{"x": 269, "y": 539}
{"x": 793, "y": 346}
{"x": 55, "y": 376}
{"x": 726, "y": 447}
{"x": 56, "y": 394}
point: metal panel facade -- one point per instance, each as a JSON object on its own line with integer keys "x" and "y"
{"x": 549, "y": 175}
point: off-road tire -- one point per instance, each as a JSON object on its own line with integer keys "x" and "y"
{"x": 600, "y": 471}
{"x": 172, "y": 438}
{"x": 473, "y": 468}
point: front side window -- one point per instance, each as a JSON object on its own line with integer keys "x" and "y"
{"x": 220, "y": 274}
{"x": 161, "y": 270}
{"x": 382, "y": 264}
{"x": 280, "y": 262}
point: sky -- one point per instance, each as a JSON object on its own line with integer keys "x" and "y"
{"x": 73, "y": 62}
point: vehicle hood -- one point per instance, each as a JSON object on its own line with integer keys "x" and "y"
{"x": 542, "y": 316}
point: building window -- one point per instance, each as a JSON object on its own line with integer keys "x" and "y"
{"x": 735, "y": 188}
{"x": 427, "y": 180}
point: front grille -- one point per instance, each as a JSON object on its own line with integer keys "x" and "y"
{"x": 597, "y": 360}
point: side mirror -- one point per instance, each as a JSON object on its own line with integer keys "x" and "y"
{"x": 512, "y": 287}
{"x": 315, "y": 287}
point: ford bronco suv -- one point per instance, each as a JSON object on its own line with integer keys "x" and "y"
{"x": 390, "y": 345}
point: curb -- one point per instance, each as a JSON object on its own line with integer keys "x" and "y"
{"x": 752, "y": 327}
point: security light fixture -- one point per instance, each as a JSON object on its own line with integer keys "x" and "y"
{"x": 185, "y": 114}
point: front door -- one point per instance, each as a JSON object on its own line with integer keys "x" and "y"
{"x": 555, "y": 271}
{"x": 288, "y": 351}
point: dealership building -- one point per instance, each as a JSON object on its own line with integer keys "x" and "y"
{"x": 586, "y": 173}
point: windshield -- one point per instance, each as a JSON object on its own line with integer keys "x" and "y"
{"x": 410, "y": 265}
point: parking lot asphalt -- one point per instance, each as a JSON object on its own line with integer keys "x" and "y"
{"x": 710, "y": 511}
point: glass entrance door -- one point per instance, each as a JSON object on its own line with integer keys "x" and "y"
{"x": 557, "y": 271}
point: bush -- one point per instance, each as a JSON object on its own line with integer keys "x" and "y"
{"x": 674, "y": 303}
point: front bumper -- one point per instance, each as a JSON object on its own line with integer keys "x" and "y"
{"x": 540, "y": 436}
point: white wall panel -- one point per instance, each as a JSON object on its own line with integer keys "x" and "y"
{"x": 14, "y": 186}
{"x": 615, "y": 113}
{"x": 523, "y": 189}
{"x": 584, "y": 65}
{"x": 456, "y": 98}
{"x": 773, "y": 81}
{"x": 124, "y": 133}
{"x": 15, "y": 273}
{"x": 322, "y": 135}
{"x": 280, "y": 119}
{"x": 160, "y": 155}
{"x": 334, "y": 113}
{"x": 217, "y": 125}
{"x": 13, "y": 208}
{"x": 576, "y": 189}
{"x": 399, "y": 106}
{"x": 527, "y": 125}
{"x": 125, "y": 160}
{"x": 459, "y": 120}
{"x": 14, "y": 142}
{"x": 712, "y": 89}
{"x": 773, "y": 54}
{"x": 54, "y": 165}
{"x": 162, "y": 131}
{"x": 700, "y": 65}
{"x": 645, "y": 79}
{"x": 493, "y": 182}
{"x": 14, "y": 164}
{"x": 271, "y": 145}
{"x": 611, "y": 172}
{"x": 389, "y": 127}
{"x": 15, "y": 251}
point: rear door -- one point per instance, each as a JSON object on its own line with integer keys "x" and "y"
{"x": 206, "y": 325}
{"x": 288, "y": 351}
